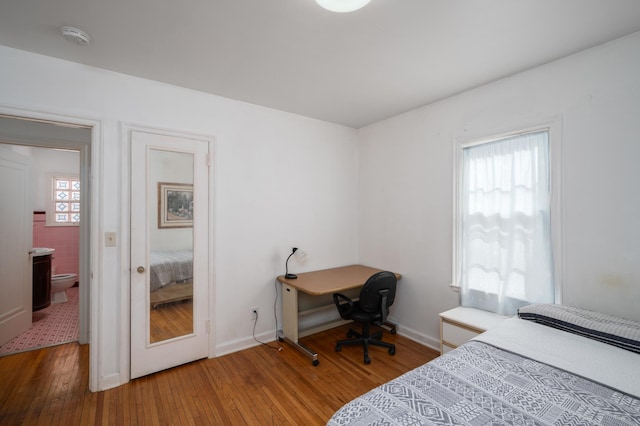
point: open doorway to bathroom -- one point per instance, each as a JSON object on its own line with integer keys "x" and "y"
{"x": 54, "y": 150}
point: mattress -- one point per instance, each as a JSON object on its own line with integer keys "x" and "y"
{"x": 170, "y": 266}
{"x": 521, "y": 372}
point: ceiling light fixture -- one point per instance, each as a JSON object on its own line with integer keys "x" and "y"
{"x": 342, "y": 6}
{"x": 76, "y": 36}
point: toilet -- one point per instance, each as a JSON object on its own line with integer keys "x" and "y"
{"x": 59, "y": 284}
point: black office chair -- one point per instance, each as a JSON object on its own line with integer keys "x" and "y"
{"x": 376, "y": 296}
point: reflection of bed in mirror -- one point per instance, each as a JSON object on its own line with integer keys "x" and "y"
{"x": 170, "y": 276}
{"x": 555, "y": 365}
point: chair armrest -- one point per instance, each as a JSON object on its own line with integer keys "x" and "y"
{"x": 344, "y": 304}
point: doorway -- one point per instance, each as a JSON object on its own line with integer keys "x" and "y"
{"x": 54, "y": 247}
{"x": 42, "y": 131}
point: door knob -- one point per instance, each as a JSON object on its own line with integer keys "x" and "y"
{"x": 140, "y": 269}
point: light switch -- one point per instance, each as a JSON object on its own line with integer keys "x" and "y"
{"x": 109, "y": 239}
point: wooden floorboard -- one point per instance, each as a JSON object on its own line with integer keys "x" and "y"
{"x": 171, "y": 320}
{"x": 257, "y": 386}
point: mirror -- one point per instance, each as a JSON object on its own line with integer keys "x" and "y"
{"x": 170, "y": 241}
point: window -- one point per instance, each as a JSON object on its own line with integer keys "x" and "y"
{"x": 64, "y": 209}
{"x": 504, "y": 247}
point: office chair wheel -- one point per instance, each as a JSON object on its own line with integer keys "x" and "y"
{"x": 393, "y": 331}
{"x": 392, "y": 351}
{"x": 338, "y": 348}
{"x": 315, "y": 362}
{"x": 367, "y": 360}
{"x": 350, "y": 334}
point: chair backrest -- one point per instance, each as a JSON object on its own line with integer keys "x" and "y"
{"x": 370, "y": 295}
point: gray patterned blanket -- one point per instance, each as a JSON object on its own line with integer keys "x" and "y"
{"x": 479, "y": 384}
{"x": 170, "y": 266}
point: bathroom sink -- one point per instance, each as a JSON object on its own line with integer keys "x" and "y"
{"x": 41, "y": 251}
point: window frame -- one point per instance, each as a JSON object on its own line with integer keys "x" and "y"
{"x": 554, "y": 127}
{"x": 51, "y": 204}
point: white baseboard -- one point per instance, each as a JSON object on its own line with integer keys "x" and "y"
{"x": 109, "y": 382}
{"x": 268, "y": 337}
{"x": 428, "y": 341}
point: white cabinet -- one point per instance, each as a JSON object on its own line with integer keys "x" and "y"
{"x": 460, "y": 324}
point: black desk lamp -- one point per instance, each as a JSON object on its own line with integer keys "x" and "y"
{"x": 287, "y": 275}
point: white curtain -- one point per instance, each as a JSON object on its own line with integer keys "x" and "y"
{"x": 506, "y": 260}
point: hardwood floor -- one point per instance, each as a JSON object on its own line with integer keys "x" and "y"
{"x": 257, "y": 386}
{"x": 171, "y": 320}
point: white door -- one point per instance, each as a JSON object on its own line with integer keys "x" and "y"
{"x": 169, "y": 250}
{"x": 16, "y": 235}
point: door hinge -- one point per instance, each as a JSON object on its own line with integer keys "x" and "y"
{"x": 209, "y": 160}
{"x": 208, "y": 327}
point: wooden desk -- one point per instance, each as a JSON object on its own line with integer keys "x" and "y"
{"x": 317, "y": 283}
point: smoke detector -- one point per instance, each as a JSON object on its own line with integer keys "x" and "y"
{"x": 76, "y": 36}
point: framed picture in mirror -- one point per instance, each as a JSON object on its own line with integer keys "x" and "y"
{"x": 175, "y": 205}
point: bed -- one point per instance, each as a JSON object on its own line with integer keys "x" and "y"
{"x": 170, "y": 276}
{"x": 550, "y": 365}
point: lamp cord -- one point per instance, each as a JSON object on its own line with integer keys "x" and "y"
{"x": 275, "y": 307}
{"x": 279, "y": 348}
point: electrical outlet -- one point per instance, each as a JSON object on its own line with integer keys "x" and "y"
{"x": 254, "y": 313}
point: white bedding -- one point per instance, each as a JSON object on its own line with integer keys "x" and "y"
{"x": 600, "y": 362}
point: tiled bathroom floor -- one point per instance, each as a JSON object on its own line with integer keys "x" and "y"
{"x": 51, "y": 326}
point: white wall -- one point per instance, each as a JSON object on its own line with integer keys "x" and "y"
{"x": 46, "y": 161}
{"x": 279, "y": 180}
{"x": 405, "y": 182}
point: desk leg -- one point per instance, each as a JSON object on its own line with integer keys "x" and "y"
{"x": 289, "y": 331}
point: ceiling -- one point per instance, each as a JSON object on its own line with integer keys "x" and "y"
{"x": 354, "y": 69}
